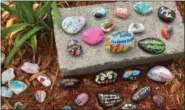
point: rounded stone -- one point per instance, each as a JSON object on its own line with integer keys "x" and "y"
{"x": 158, "y": 100}
{"x": 8, "y": 75}
{"x": 120, "y": 41}
{"x": 132, "y": 75}
{"x": 31, "y": 68}
{"x": 99, "y": 12}
{"x": 166, "y": 14}
{"x": 18, "y": 105}
{"x": 136, "y": 27}
{"x": 73, "y": 24}
{"x": 67, "y": 107}
{"x": 129, "y": 106}
{"x": 2, "y": 58}
{"x": 40, "y": 96}
{"x": 44, "y": 80}
{"x": 167, "y": 31}
{"x": 74, "y": 47}
{"x": 107, "y": 25}
{"x": 6, "y": 92}
{"x": 81, "y": 99}
{"x": 69, "y": 82}
{"x": 159, "y": 74}
{"x": 121, "y": 11}
{"x": 17, "y": 86}
{"x": 143, "y": 8}
{"x": 92, "y": 35}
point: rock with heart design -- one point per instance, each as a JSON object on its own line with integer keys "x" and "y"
{"x": 166, "y": 14}
{"x": 6, "y": 92}
{"x": 121, "y": 11}
{"x": 44, "y": 80}
{"x": 69, "y": 82}
{"x": 159, "y": 74}
{"x": 132, "y": 75}
{"x": 7, "y": 75}
{"x": 81, "y": 99}
{"x": 143, "y": 8}
{"x": 159, "y": 100}
{"x": 167, "y": 31}
{"x": 129, "y": 106}
{"x": 99, "y": 12}
{"x": 73, "y": 24}
{"x": 17, "y": 86}
{"x": 2, "y": 58}
{"x": 31, "y": 68}
{"x": 74, "y": 47}
{"x": 136, "y": 27}
{"x": 107, "y": 25}
{"x": 40, "y": 96}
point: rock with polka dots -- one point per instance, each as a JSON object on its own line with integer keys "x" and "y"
{"x": 74, "y": 47}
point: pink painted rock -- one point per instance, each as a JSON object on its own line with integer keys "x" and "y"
{"x": 81, "y": 99}
{"x": 92, "y": 35}
{"x": 121, "y": 11}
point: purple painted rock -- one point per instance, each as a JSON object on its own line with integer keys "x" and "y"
{"x": 81, "y": 99}
{"x": 30, "y": 67}
{"x": 158, "y": 100}
{"x": 92, "y": 35}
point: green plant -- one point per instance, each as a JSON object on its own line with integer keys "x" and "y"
{"x": 32, "y": 22}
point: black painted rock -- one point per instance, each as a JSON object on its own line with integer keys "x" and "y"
{"x": 152, "y": 45}
{"x": 129, "y": 106}
{"x": 109, "y": 99}
{"x": 141, "y": 93}
{"x": 69, "y": 82}
{"x": 166, "y": 14}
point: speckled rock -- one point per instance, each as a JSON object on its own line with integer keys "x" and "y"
{"x": 136, "y": 27}
{"x": 143, "y": 8}
{"x": 158, "y": 100}
{"x": 166, "y": 14}
{"x": 69, "y": 82}
{"x": 17, "y": 86}
{"x": 74, "y": 48}
{"x": 40, "y": 96}
{"x": 121, "y": 11}
{"x": 167, "y": 31}
{"x": 107, "y": 25}
{"x": 6, "y": 92}
{"x": 31, "y": 68}
{"x": 2, "y": 58}
{"x": 44, "y": 80}
{"x": 8, "y": 75}
{"x": 99, "y": 12}
{"x": 81, "y": 99}
{"x": 129, "y": 106}
{"x": 132, "y": 75}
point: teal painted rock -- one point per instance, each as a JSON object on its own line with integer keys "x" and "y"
{"x": 99, "y": 12}
{"x": 152, "y": 45}
{"x": 6, "y": 92}
{"x": 8, "y": 75}
{"x": 143, "y": 8}
{"x": 132, "y": 75}
{"x": 67, "y": 107}
{"x": 40, "y": 96}
{"x": 120, "y": 41}
{"x": 18, "y": 106}
{"x": 17, "y": 86}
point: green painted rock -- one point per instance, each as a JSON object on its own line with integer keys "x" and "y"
{"x": 152, "y": 45}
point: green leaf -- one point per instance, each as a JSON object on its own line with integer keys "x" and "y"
{"x": 14, "y": 28}
{"x": 45, "y": 8}
{"x": 34, "y": 43}
{"x": 56, "y": 14}
{"x": 11, "y": 10}
{"x": 19, "y": 43}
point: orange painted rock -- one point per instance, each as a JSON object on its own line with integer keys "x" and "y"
{"x": 167, "y": 31}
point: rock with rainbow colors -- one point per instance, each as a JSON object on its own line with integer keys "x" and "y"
{"x": 107, "y": 25}
{"x": 40, "y": 96}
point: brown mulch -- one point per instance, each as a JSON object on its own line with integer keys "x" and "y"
{"x": 57, "y": 97}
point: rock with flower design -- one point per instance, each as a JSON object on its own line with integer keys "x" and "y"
{"x": 167, "y": 31}
{"x": 121, "y": 11}
{"x": 143, "y": 8}
{"x": 44, "y": 80}
{"x": 6, "y": 92}
{"x": 99, "y": 12}
{"x": 8, "y": 75}
{"x": 17, "y": 86}
{"x": 132, "y": 75}
{"x": 107, "y": 25}
{"x": 74, "y": 47}
{"x": 120, "y": 41}
{"x": 73, "y": 24}
{"x": 40, "y": 96}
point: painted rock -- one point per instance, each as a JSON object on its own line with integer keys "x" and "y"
{"x": 131, "y": 74}
{"x": 69, "y": 82}
{"x": 167, "y": 31}
{"x": 143, "y": 8}
{"x": 40, "y": 96}
{"x": 129, "y": 106}
{"x": 106, "y": 77}
{"x": 44, "y": 80}
{"x": 6, "y": 92}
{"x": 74, "y": 47}
{"x": 158, "y": 100}
{"x": 121, "y": 11}
{"x": 141, "y": 93}
{"x": 81, "y": 99}
{"x": 30, "y": 67}
{"x": 136, "y": 27}
{"x": 92, "y": 35}
{"x": 109, "y": 99}
{"x": 99, "y": 12}
{"x": 107, "y": 25}
{"x": 160, "y": 74}
{"x": 67, "y": 107}
{"x": 2, "y": 58}
{"x": 18, "y": 106}
{"x": 8, "y": 75}
{"x": 120, "y": 41}
{"x": 166, "y": 14}
{"x": 73, "y": 24}
{"x": 152, "y": 45}
{"x": 17, "y": 86}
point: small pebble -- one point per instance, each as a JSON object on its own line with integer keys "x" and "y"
{"x": 40, "y": 96}
{"x": 67, "y": 107}
{"x": 121, "y": 11}
{"x": 8, "y": 75}
{"x": 99, "y": 12}
{"x": 136, "y": 27}
{"x": 129, "y": 106}
{"x": 17, "y": 86}
{"x": 143, "y": 8}
{"x": 167, "y": 31}
{"x": 2, "y": 58}
{"x": 18, "y": 106}
{"x": 44, "y": 80}
{"x": 74, "y": 47}
{"x": 30, "y": 67}
{"x": 6, "y": 92}
{"x": 166, "y": 14}
{"x": 107, "y": 25}
{"x": 81, "y": 99}
{"x": 158, "y": 100}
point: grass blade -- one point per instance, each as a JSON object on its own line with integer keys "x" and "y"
{"x": 45, "y": 8}
{"x": 56, "y": 14}
{"x": 11, "y": 10}
{"x": 34, "y": 43}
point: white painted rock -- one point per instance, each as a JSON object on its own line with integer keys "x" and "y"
{"x": 160, "y": 74}
{"x": 8, "y": 75}
{"x": 136, "y": 27}
{"x": 17, "y": 86}
{"x": 2, "y": 58}
{"x": 73, "y": 24}
{"x": 6, "y": 92}
{"x": 44, "y": 80}
{"x": 30, "y": 68}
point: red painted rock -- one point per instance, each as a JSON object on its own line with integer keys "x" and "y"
{"x": 92, "y": 35}
{"x": 121, "y": 11}
{"x": 81, "y": 99}
{"x": 167, "y": 31}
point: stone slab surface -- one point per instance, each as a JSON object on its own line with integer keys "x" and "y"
{"x": 96, "y": 58}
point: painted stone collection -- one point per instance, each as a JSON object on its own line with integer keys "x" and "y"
{"x": 74, "y": 47}
{"x": 166, "y": 14}
{"x": 107, "y": 25}
{"x": 167, "y": 31}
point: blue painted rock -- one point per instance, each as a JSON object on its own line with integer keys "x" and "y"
{"x": 99, "y": 12}
{"x": 106, "y": 77}
{"x": 141, "y": 93}
{"x": 67, "y": 107}
{"x": 143, "y": 8}
{"x": 6, "y": 92}
{"x": 166, "y": 14}
{"x": 81, "y": 99}
{"x": 107, "y": 25}
{"x": 73, "y": 24}
{"x": 129, "y": 106}
{"x": 109, "y": 99}
{"x": 18, "y": 106}
{"x": 44, "y": 80}
{"x": 131, "y": 74}
{"x": 74, "y": 47}
{"x": 69, "y": 82}
{"x": 31, "y": 68}
{"x": 167, "y": 31}
{"x": 120, "y": 41}
{"x": 40, "y": 96}
{"x": 152, "y": 45}
{"x": 136, "y": 27}
{"x": 8, "y": 75}
{"x": 158, "y": 100}
{"x": 2, "y": 58}
{"x": 160, "y": 74}
{"x": 17, "y": 86}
